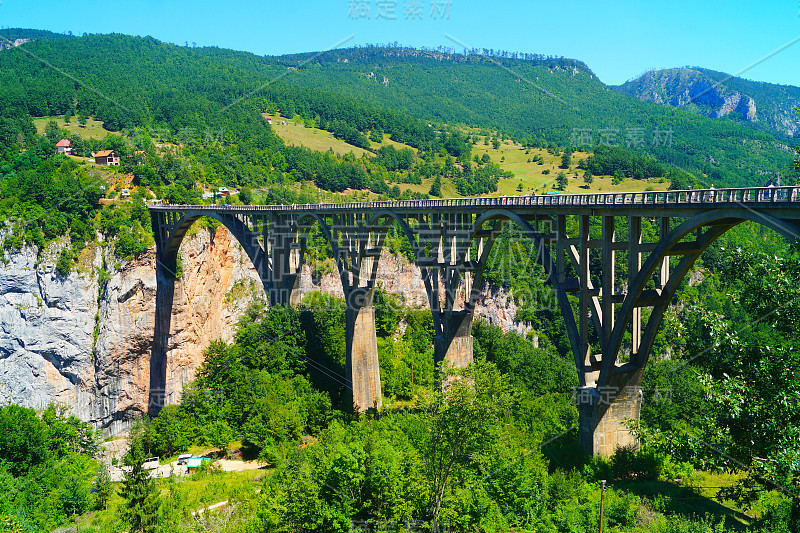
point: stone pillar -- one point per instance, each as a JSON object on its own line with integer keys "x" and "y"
{"x": 603, "y": 410}
{"x": 285, "y": 291}
{"x": 455, "y": 344}
{"x": 363, "y": 369}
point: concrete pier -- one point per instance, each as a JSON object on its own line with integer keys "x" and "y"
{"x": 602, "y": 413}
{"x": 362, "y": 357}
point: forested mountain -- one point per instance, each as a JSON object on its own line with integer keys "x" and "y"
{"x": 130, "y": 81}
{"x": 494, "y": 451}
{"x": 763, "y": 106}
{"x": 556, "y": 99}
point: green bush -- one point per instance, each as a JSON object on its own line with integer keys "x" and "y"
{"x": 129, "y": 243}
{"x": 64, "y": 263}
{"x": 12, "y": 242}
{"x": 627, "y": 464}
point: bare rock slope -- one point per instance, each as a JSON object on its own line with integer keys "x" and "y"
{"x": 85, "y": 341}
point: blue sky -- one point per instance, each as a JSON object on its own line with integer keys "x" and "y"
{"x": 617, "y": 39}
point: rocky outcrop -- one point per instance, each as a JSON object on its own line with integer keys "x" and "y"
{"x": 46, "y": 332}
{"x": 764, "y": 106}
{"x": 681, "y": 88}
{"x": 395, "y": 275}
{"x": 85, "y": 339}
{"x": 5, "y": 45}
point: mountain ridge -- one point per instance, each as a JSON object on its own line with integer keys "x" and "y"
{"x": 762, "y": 106}
{"x": 551, "y": 99}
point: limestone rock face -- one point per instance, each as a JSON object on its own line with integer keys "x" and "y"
{"x": 397, "y": 276}
{"x": 17, "y": 42}
{"x": 46, "y": 332}
{"x": 762, "y": 106}
{"x": 63, "y": 340}
{"x": 86, "y": 341}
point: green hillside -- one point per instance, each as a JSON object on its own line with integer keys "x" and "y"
{"x": 559, "y": 100}
{"x": 535, "y": 100}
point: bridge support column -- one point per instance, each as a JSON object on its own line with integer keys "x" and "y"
{"x": 602, "y": 413}
{"x": 285, "y": 292}
{"x": 455, "y": 344}
{"x": 363, "y": 369}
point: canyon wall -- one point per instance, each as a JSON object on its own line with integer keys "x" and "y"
{"x": 84, "y": 339}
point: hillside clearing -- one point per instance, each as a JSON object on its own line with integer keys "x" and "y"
{"x": 294, "y": 133}
{"x": 93, "y": 129}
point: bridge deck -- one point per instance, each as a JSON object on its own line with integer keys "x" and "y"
{"x": 678, "y": 203}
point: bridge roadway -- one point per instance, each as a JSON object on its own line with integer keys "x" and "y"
{"x": 678, "y": 202}
{"x": 451, "y": 240}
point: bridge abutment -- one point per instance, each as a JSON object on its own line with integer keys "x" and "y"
{"x": 602, "y": 412}
{"x": 363, "y": 369}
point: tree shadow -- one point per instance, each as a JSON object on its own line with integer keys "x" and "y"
{"x": 686, "y": 501}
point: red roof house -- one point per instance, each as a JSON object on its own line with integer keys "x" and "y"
{"x": 64, "y": 147}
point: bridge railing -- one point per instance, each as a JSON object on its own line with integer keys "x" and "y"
{"x": 774, "y": 195}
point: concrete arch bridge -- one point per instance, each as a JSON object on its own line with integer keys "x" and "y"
{"x": 452, "y": 239}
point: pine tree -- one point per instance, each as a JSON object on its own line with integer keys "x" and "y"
{"x": 588, "y": 178}
{"x": 102, "y": 489}
{"x": 52, "y": 131}
{"x": 566, "y": 159}
{"x": 561, "y": 181}
{"x": 436, "y": 187}
{"x": 142, "y": 502}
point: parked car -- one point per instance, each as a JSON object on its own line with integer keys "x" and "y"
{"x": 151, "y": 463}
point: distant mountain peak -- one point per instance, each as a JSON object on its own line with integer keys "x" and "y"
{"x": 764, "y": 106}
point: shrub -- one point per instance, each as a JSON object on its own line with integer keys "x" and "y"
{"x": 12, "y": 242}
{"x": 64, "y": 263}
{"x": 628, "y": 463}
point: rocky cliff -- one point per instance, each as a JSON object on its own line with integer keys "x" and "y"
{"x": 85, "y": 339}
{"x": 764, "y": 106}
{"x": 85, "y": 342}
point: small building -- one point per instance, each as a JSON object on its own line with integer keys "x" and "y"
{"x": 64, "y": 147}
{"x": 125, "y": 192}
{"x": 193, "y": 463}
{"x": 106, "y": 157}
{"x": 207, "y": 195}
{"x": 269, "y": 119}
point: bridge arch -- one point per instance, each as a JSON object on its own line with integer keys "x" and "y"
{"x": 169, "y": 253}
{"x": 717, "y": 224}
{"x": 407, "y": 231}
